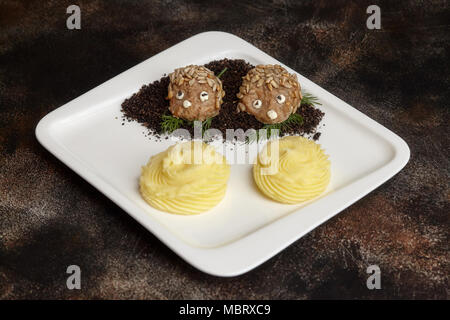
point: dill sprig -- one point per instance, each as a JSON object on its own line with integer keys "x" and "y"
{"x": 293, "y": 120}
{"x": 309, "y": 99}
{"x": 170, "y": 123}
{"x": 222, "y": 72}
{"x": 206, "y": 124}
{"x": 270, "y": 128}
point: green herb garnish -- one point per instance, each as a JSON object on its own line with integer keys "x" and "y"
{"x": 294, "y": 119}
{"x": 206, "y": 124}
{"x": 309, "y": 99}
{"x": 222, "y": 72}
{"x": 170, "y": 123}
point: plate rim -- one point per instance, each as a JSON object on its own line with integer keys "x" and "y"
{"x": 240, "y": 255}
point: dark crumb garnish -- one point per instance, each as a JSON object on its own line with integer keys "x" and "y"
{"x": 316, "y": 136}
{"x": 149, "y": 104}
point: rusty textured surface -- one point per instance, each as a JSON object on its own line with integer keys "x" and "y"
{"x": 399, "y": 76}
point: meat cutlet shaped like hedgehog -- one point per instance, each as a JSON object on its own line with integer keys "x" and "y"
{"x": 269, "y": 93}
{"x": 195, "y": 93}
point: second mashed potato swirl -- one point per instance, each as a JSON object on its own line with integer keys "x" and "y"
{"x": 181, "y": 181}
{"x": 302, "y": 170}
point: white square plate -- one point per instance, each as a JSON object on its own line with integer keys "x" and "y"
{"x": 245, "y": 229}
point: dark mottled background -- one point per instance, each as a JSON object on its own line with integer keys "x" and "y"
{"x": 399, "y": 76}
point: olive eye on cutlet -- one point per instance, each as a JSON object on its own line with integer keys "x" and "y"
{"x": 179, "y": 95}
{"x": 281, "y": 98}
{"x": 204, "y": 96}
{"x": 257, "y": 104}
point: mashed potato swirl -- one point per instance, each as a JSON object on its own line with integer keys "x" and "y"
{"x": 302, "y": 170}
{"x": 187, "y": 178}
